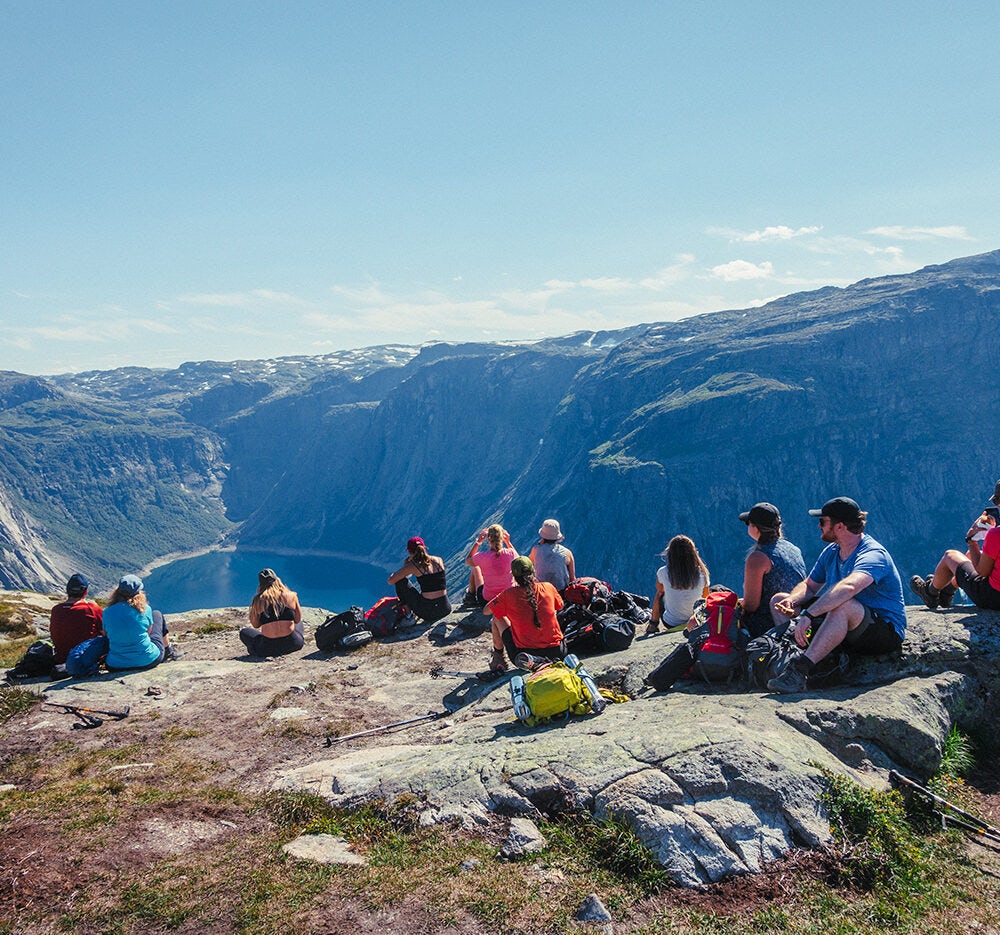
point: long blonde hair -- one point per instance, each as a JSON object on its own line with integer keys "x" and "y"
{"x": 272, "y": 596}
{"x": 494, "y": 534}
{"x": 137, "y": 601}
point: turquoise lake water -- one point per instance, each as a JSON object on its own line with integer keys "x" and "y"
{"x": 229, "y": 579}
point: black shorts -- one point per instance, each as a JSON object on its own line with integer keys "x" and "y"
{"x": 978, "y": 587}
{"x": 550, "y": 652}
{"x": 874, "y": 636}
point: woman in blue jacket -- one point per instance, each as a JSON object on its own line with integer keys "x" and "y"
{"x": 137, "y": 635}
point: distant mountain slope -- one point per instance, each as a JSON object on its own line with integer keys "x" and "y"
{"x": 882, "y": 391}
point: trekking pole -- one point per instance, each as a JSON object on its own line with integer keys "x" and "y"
{"x": 968, "y": 826}
{"x": 982, "y": 826}
{"x": 430, "y": 715}
{"x": 88, "y": 716}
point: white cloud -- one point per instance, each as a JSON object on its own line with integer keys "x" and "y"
{"x": 739, "y": 270}
{"x": 952, "y": 232}
{"x": 765, "y": 235}
{"x": 252, "y": 298}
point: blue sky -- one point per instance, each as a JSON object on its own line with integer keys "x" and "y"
{"x": 183, "y": 181}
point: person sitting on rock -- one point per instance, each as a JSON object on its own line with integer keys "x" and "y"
{"x": 976, "y": 571}
{"x": 524, "y": 618}
{"x": 491, "y": 568}
{"x": 853, "y": 595}
{"x": 772, "y": 566}
{"x": 679, "y": 583}
{"x": 74, "y": 620}
{"x": 430, "y": 603}
{"x": 553, "y": 561}
{"x": 138, "y": 637}
{"x": 275, "y": 618}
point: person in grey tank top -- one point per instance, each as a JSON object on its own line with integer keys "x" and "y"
{"x": 773, "y": 566}
{"x": 553, "y": 561}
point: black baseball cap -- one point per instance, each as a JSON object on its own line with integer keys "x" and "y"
{"x": 763, "y": 515}
{"x": 840, "y": 510}
{"x": 78, "y": 584}
{"x": 995, "y": 499}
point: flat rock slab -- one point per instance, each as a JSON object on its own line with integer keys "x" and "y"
{"x": 323, "y": 849}
{"x": 715, "y": 783}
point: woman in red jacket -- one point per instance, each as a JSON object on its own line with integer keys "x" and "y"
{"x": 524, "y": 618}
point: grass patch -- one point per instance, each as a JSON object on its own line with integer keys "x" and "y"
{"x": 212, "y": 626}
{"x": 15, "y": 621}
{"x": 959, "y": 755}
{"x": 15, "y": 701}
{"x": 877, "y": 847}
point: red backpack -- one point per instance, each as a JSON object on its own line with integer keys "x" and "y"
{"x": 722, "y": 655}
{"x": 384, "y": 616}
{"x": 584, "y": 591}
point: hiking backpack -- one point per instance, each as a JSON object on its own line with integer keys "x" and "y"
{"x": 84, "y": 659}
{"x": 722, "y": 651}
{"x": 769, "y": 654}
{"x": 588, "y": 592}
{"x": 552, "y": 690}
{"x": 36, "y": 662}
{"x": 587, "y": 632}
{"x": 384, "y": 616}
{"x": 347, "y": 630}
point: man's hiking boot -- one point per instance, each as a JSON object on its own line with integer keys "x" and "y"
{"x": 923, "y": 589}
{"x": 792, "y": 681}
{"x": 652, "y": 627}
{"x": 946, "y": 595}
{"x": 170, "y": 654}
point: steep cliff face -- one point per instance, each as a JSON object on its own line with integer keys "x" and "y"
{"x": 883, "y": 391}
{"x": 95, "y": 486}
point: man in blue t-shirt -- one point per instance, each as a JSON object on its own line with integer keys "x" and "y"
{"x": 853, "y": 594}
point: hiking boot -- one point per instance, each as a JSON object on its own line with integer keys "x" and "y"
{"x": 652, "y": 627}
{"x": 469, "y": 600}
{"x": 498, "y": 664}
{"x": 922, "y": 588}
{"x": 791, "y": 682}
{"x": 170, "y": 654}
{"x": 946, "y": 595}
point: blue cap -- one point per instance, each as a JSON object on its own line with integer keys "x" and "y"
{"x": 130, "y": 585}
{"x": 78, "y": 584}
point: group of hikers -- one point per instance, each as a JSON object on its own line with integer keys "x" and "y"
{"x": 851, "y": 599}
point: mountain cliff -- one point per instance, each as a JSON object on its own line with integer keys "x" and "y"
{"x": 882, "y": 391}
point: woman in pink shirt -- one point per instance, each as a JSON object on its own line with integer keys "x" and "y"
{"x": 490, "y": 574}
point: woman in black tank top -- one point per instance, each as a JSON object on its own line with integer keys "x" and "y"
{"x": 275, "y": 617}
{"x": 430, "y": 603}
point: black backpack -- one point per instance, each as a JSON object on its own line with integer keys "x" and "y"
{"x": 36, "y": 662}
{"x": 769, "y": 654}
{"x": 343, "y": 631}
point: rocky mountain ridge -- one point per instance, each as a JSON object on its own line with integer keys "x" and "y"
{"x": 881, "y": 391}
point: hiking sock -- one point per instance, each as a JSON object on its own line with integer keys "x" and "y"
{"x": 805, "y": 665}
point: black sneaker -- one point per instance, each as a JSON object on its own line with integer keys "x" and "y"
{"x": 922, "y": 588}
{"x": 946, "y": 595}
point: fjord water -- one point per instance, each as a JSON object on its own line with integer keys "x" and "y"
{"x": 229, "y": 579}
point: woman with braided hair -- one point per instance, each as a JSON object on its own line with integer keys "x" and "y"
{"x": 524, "y": 618}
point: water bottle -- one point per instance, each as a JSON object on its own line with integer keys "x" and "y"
{"x": 597, "y": 700}
{"x": 521, "y": 710}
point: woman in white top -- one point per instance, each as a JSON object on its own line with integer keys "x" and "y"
{"x": 679, "y": 583}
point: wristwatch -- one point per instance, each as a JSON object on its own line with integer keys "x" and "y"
{"x": 806, "y": 613}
